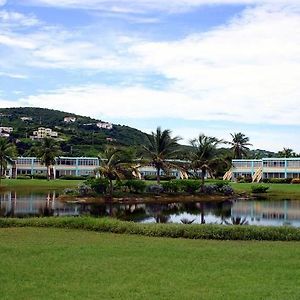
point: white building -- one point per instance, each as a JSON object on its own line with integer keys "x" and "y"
{"x": 6, "y": 129}
{"x": 69, "y": 119}
{"x": 104, "y": 125}
{"x": 26, "y": 118}
{"x": 43, "y": 132}
{"x": 265, "y": 168}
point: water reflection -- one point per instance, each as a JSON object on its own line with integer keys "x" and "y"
{"x": 235, "y": 212}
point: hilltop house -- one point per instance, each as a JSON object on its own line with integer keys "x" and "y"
{"x": 69, "y": 119}
{"x": 43, "y": 132}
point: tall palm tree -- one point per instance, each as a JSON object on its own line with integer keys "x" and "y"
{"x": 160, "y": 150}
{"x": 47, "y": 152}
{"x": 7, "y": 152}
{"x": 116, "y": 164}
{"x": 239, "y": 145}
{"x": 204, "y": 155}
{"x": 286, "y": 152}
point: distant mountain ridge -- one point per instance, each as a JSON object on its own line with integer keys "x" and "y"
{"x": 84, "y": 136}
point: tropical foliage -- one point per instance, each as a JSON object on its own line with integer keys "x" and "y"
{"x": 47, "y": 152}
{"x": 7, "y": 153}
{"x": 160, "y": 151}
{"x": 239, "y": 145}
{"x": 116, "y": 164}
{"x": 204, "y": 156}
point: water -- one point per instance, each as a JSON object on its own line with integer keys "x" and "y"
{"x": 251, "y": 212}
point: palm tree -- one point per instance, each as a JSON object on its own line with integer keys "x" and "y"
{"x": 160, "y": 150}
{"x": 204, "y": 155}
{"x": 116, "y": 164}
{"x": 47, "y": 152}
{"x": 287, "y": 152}
{"x": 239, "y": 145}
{"x": 7, "y": 151}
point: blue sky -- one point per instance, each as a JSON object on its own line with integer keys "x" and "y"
{"x": 211, "y": 66}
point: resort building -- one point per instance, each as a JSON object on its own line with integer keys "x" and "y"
{"x": 5, "y": 131}
{"x": 26, "y": 119}
{"x": 69, "y": 119}
{"x": 71, "y": 166}
{"x": 43, "y": 132}
{"x": 64, "y": 166}
{"x": 104, "y": 125}
{"x": 258, "y": 169}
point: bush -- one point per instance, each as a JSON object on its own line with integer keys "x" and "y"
{"x": 135, "y": 185}
{"x": 98, "y": 185}
{"x": 39, "y": 176}
{"x": 226, "y": 190}
{"x": 190, "y": 186}
{"x": 69, "y": 191}
{"x": 192, "y": 231}
{"x": 277, "y": 180}
{"x": 172, "y": 186}
{"x": 84, "y": 190}
{"x": 24, "y": 177}
{"x": 257, "y": 189}
{"x": 72, "y": 177}
{"x": 154, "y": 189}
{"x": 162, "y": 177}
{"x": 210, "y": 189}
{"x": 295, "y": 181}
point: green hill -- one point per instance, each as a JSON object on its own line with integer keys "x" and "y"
{"x": 79, "y": 138}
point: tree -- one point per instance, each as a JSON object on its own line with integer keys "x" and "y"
{"x": 7, "y": 152}
{"x": 160, "y": 150}
{"x": 116, "y": 164}
{"x": 47, "y": 152}
{"x": 286, "y": 152}
{"x": 204, "y": 155}
{"x": 239, "y": 145}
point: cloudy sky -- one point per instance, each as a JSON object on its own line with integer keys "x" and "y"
{"x": 211, "y": 66}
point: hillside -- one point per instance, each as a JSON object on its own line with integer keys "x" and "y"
{"x": 79, "y": 137}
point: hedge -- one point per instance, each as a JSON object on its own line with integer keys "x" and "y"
{"x": 193, "y": 231}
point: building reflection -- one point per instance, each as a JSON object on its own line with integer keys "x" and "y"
{"x": 18, "y": 205}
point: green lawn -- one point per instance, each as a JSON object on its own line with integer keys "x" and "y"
{"x": 40, "y": 263}
{"x": 275, "y": 189}
{"x": 39, "y": 183}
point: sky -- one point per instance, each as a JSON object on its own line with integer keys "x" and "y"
{"x": 193, "y": 66}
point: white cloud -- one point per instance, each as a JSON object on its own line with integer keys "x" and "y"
{"x": 143, "y": 5}
{"x": 12, "y": 18}
{"x": 13, "y": 75}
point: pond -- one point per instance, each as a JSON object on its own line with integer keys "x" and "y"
{"x": 235, "y": 211}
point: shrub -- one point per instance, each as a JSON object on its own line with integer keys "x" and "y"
{"x": 98, "y": 185}
{"x": 162, "y": 177}
{"x": 190, "y": 186}
{"x": 210, "y": 189}
{"x": 192, "y": 231}
{"x": 155, "y": 189}
{"x": 135, "y": 185}
{"x": 24, "y": 177}
{"x": 295, "y": 181}
{"x": 257, "y": 189}
{"x": 172, "y": 186}
{"x": 226, "y": 190}
{"x": 72, "y": 177}
{"x": 221, "y": 184}
{"x": 84, "y": 190}
{"x": 39, "y": 176}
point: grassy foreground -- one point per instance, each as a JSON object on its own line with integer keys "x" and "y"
{"x": 194, "y": 231}
{"x": 43, "y": 263}
{"x": 39, "y": 184}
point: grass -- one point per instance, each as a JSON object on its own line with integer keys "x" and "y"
{"x": 39, "y": 184}
{"x": 40, "y": 263}
{"x": 276, "y": 190}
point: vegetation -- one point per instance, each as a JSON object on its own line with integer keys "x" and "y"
{"x": 204, "y": 156}
{"x": 239, "y": 144}
{"x": 47, "y": 152}
{"x": 63, "y": 264}
{"x": 257, "y": 189}
{"x": 79, "y": 138}
{"x": 115, "y": 164}
{"x": 7, "y": 152}
{"x": 160, "y": 150}
{"x": 194, "y": 231}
